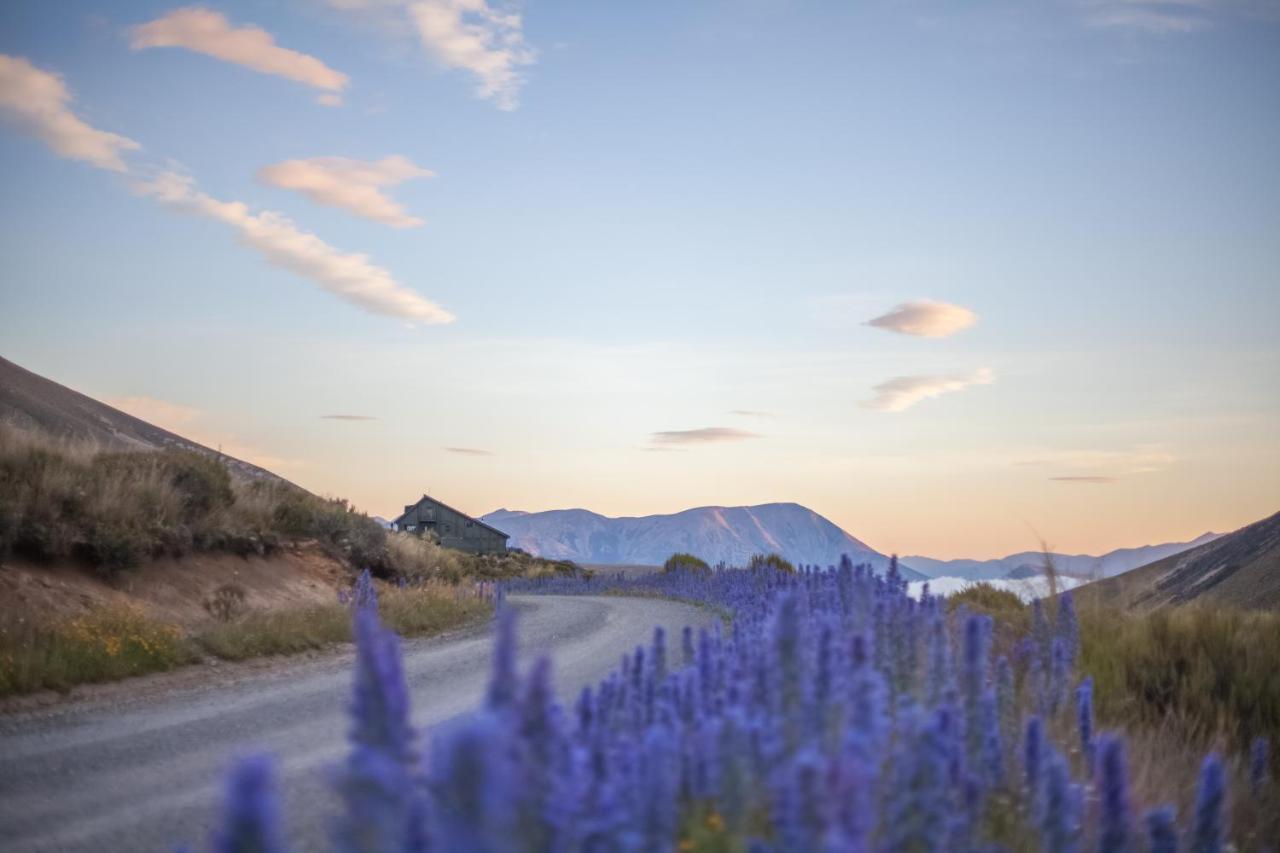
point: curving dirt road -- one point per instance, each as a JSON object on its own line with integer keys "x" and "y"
{"x": 145, "y": 775}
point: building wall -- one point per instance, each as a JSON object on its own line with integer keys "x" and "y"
{"x": 453, "y": 529}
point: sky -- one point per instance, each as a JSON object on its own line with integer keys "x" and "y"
{"x": 963, "y": 278}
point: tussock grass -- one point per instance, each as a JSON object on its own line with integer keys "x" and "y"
{"x": 277, "y": 632}
{"x": 1179, "y": 682}
{"x": 117, "y": 642}
{"x": 410, "y": 612}
{"x": 1205, "y": 672}
{"x": 114, "y": 510}
{"x": 104, "y": 645}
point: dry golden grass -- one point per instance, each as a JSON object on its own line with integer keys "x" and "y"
{"x": 105, "y": 645}
{"x": 117, "y": 642}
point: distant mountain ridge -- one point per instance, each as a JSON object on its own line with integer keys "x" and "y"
{"x": 1029, "y": 563}
{"x": 714, "y": 533}
{"x": 1240, "y": 569}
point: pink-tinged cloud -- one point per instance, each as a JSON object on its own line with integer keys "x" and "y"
{"x": 37, "y": 102}
{"x": 926, "y": 318}
{"x": 349, "y": 276}
{"x": 704, "y": 435}
{"x": 468, "y": 451}
{"x": 210, "y": 33}
{"x": 352, "y": 185}
{"x": 473, "y": 36}
{"x": 1091, "y": 480}
{"x": 903, "y": 392}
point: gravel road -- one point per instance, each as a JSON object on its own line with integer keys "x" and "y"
{"x": 145, "y": 775}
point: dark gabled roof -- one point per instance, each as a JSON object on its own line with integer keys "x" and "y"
{"x": 441, "y": 503}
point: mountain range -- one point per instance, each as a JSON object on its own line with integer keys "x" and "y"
{"x": 1029, "y": 563}
{"x": 715, "y": 533}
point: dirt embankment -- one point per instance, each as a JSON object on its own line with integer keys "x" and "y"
{"x": 173, "y": 590}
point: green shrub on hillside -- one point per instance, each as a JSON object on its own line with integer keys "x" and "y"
{"x": 685, "y": 563}
{"x": 759, "y": 562}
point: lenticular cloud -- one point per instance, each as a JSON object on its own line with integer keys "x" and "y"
{"x": 926, "y": 318}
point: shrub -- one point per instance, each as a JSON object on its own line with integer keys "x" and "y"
{"x": 685, "y": 563}
{"x": 761, "y": 562}
{"x": 226, "y": 602}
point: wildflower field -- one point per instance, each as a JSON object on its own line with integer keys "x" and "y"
{"x": 833, "y": 713}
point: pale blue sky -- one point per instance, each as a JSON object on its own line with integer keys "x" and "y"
{"x": 682, "y": 209}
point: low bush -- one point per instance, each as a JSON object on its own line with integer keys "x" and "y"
{"x": 775, "y": 562}
{"x": 685, "y": 563}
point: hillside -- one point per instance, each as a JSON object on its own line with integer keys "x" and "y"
{"x": 716, "y": 534}
{"x": 31, "y": 402}
{"x": 1029, "y": 563}
{"x": 1241, "y": 568}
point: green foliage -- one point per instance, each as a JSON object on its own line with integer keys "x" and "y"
{"x": 760, "y": 562}
{"x": 1209, "y": 671}
{"x": 685, "y": 563}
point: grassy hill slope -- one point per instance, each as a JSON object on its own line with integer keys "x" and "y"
{"x": 1240, "y": 569}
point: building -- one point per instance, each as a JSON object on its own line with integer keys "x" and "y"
{"x": 450, "y": 528}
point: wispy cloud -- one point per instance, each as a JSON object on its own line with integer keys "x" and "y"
{"x": 1084, "y": 479}
{"x": 353, "y": 185}
{"x": 473, "y": 36}
{"x": 37, "y": 102}
{"x": 1166, "y": 17}
{"x": 926, "y": 318}
{"x": 468, "y": 451}
{"x": 903, "y": 392}
{"x": 750, "y": 413}
{"x": 486, "y": 40}
{"x": 349, "y": 276}
{"x": 348, "y": 418}
{"x": 1095, "y": 465}
{"x": 206, "y": 31}
{"x": 704, "y": 435}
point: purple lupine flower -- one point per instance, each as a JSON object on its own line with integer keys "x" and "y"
{"x": 541, "y": 760}
{"x": 365, "y": 594}
{"x": 470, "y": 782}
{"x": 992, "y": 753}
{"x": 1113, "y": 786}
{"x": 1033, "y": 758}
{"x": 1060, "y": 818}
{"x": 658, "y": 660}
{"x": 1059, "y": 674}
{"x": 686, "y": 644}
{"x": 657, "y": 791}
{"x": 250, "y": 816}
{"x": 1259, "y": 757}
{"x": 918, "y": 809}
{"x": 502, "y": 682}
{"x": 1211, "y": 794}
{"x": 801, "y": 803}
{"x": 974, "y": 681}
{"x": 1084, "y": 719}
{"x": 380, "y": 705}
{"x": 376, "y": 781}
{"x": 1162, "y": 831}
{"x": 1006, "y": 696}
